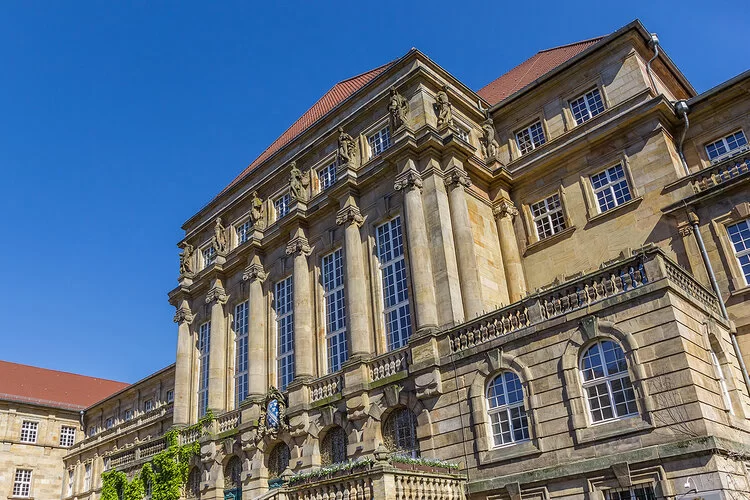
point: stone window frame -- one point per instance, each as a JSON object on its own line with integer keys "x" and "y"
{"x": 373, "y": 129}
{"x": 620, "y": 475}
{"x": 274, "y": 330}
{"x": 529, "y": 121}
{"x": 273, "y": 217}
{"x": 325, "y": 162}
{"x": 593, "y": 212}
{"x": 32, "y": 431}
{"x": 717, "y": 132}
{"x": 235, "y": 232}
{"x": 23, "y": 478}
{"x": 714, "y": 343}
{"x": 203, "y": 249}
{"x": 68, "y": 435}
{"x": 497, "y": 362}
{"x": 719, "y": 226}
{"x": 232, "y": 360}
{"x": 722, "y": 137}
{"x": 461, "y": 124}
{"x": 578, "y": 92}
{"x": 322, "y": 295}
{"x": 592, "y": 329}
{"x": 532, "y": 238}
{"x": 170, "y": 395}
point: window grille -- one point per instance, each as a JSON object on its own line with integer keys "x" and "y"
{"x": 400, "y": 433}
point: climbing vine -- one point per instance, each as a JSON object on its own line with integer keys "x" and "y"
{"x": 167, "y": 472}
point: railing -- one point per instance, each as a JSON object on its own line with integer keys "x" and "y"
{"x": 720, "y": 173}
{"x": 388, "y": 364}
{"x": 125, "y": 426}
{"x": 147, "y": 449}
{"x": 694, "y": 289}
{"x": 424, "y": 486}
{"x": 228, "y": 421}
{"x": 486, "y": 328}
{"x": 355, "y": 488}
{"x": 326, "y": 387}
{"x": 151, "y": 449}
{"x": 190, "y": 436}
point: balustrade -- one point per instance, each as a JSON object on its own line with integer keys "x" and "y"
{"x": 326, "y": 387}
{"x": 720, "y": 173}
{"x": 388, "y": 364}
{"x": 229, "y": 420}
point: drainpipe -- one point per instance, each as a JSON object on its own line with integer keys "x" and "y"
{"x": 654, "y": 42}
{"x": 693, "y": 219}
{"x": 681, "y": 109}
{"x": 82, "y": 413}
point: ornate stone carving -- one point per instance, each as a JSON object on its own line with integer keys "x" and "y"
{"x": 398, "y": 110}
{"x": 298, "y": 244}
{"x": 350, "y": 214}
{"x": 490, "y": 146}
{"x": 273, "y": 418}
{"x": 443, "y": 108}
{"x": 457, "y": 177}
{"x": 186, "y": 259}
{"x": 505, "y": 208}
{"x": 183, "y": 314}
{"x": 256, "y": 211}
{"x": 347, "y": 149}
{"x": 219, "y": 240}
{"x": 408, "y": 180}
{"x": 218, "y": 294}
{"x": 254, "y": 272}
{"x": 298, "y": 183}
{"x": 686, "y": 231}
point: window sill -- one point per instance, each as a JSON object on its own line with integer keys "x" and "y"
{"x": 615, "y": 428}
{"x": 745, "y": 290}
{"x": 549, "y": 240}
{"x": 509, "y": 452}
{"x": 628, "y": 205}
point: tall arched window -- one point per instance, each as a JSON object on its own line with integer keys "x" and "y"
{"x": 604, "y": 372}
{"x": 278, "y": 460}
{"x": 333, "y": 447}
{"x": 507, "y": 413}
{"x": 193, "y": 486}
{"x": 233, "y": 474}
{"x": 400, "y": 433}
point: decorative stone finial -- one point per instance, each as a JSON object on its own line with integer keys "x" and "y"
{"x": 443, "y": 108}
{"x": 398, "y": 110}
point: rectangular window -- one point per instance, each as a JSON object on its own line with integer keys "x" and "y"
{"x": 548, "y": 216}
{"x": 67, "y": 436}
{"x": 28, "y": 431}
{"x": 610, "y": 188}
{"x": 379, "y": 141}
{"x": 740, "y": 235}
{"x": 87, "y": 477}
{"x": 128, "y": 414}
{"x": 281, "y": 205}
{"x": 586, "y": 106}
{"x": 148, "y": 405}
{"x": 209, "y": 256}
{"x": 71, "y": 475}
{"x": 92, "y": 430}
{"x": 393, "y": 275}
{"x": 170, "y": 396}
{"x": 284, "y": 306}
{"x": 240, "y": 349}
{"x": 327, "y": 176}
{"x": 638, "y": 492}
{"x": 243, "y": 231}
{"x": 332, "y": 268}
{"x": 109, "y": 423}
{"x": 722, "y": 381}
{"x": 22, "y": 483}
{"x": 530, "y": 137}
{"x": 726, "y": 146}
{"x": 204, "y": 343}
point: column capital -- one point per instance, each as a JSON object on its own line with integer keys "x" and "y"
{"x": 254, "y": 272}
{"x": 457, "y": 177}
{"x": 217, "y": 294}
{"x": 298, "y": 245}
{"x": 408, "y": 180}
{"x": 505, "y": 208}
{"x": 348, "y": 215}
{"x": 183, "y": 314}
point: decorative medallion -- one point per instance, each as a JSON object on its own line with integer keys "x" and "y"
{"x": 273, "y": 419}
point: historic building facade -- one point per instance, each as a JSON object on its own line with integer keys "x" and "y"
{"x": 543, "y": 282}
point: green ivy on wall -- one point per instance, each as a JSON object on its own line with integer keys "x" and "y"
{"x": 167, "y": 472}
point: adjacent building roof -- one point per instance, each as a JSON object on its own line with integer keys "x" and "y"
{"x": 528, "y": 71}
{"x": 330, "y": 100}
{"x": 30, "y": 384}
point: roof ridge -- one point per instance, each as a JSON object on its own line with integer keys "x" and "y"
{"x": 596, "y": 38}
{"x": 64, "y": 372}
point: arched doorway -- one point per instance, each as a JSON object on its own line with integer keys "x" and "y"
{"x": 233, "y": 479}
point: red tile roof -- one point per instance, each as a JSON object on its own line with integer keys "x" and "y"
{"x": 24, "y": 383}
{"x": 330, "y": 100}
{"x": 525, "y": 73}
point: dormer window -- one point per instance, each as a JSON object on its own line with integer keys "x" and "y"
{"x": 726, "y": 146}
{"x": 530, "y": 137}
{"x": 379, "y": 141}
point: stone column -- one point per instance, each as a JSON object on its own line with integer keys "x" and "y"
{"x": 304, "y": 350}
{"x": 217, "y": 366}
{"x": 356, "y": 283}
{"x": 418, "y": 244}
{"x": 257, "y": 357}
{"x": 504, "y": 213}
{"x": 183, "y": 365}
{"x": 471, "y": 289}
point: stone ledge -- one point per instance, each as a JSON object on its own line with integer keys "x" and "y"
{"x": 502, "y": 454}
{"x": 608, "y": 430}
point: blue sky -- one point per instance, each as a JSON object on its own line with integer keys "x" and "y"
{"x": 120, "y": 119}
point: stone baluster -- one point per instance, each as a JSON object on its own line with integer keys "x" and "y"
{"x": 420, "y": 264}
{"x": 217, "y": 367}
{"x": 182, "y": 377}
{"x": 256, "y": 351}
{"x": 304, "y": 350}
{"x": 511, "y": 257}
{"x": 356, "y": 284}
{"x": 457, "y": 180}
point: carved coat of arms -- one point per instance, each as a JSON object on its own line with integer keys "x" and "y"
{"x": 273, "y": 419}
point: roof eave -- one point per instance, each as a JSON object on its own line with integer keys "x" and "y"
{"x": 745, "y": 75}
